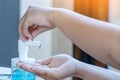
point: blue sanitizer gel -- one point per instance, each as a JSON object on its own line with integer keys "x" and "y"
{"x": 20, "y": 74}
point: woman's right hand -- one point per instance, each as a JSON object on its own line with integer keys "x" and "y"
{"x": 35, "y": 21}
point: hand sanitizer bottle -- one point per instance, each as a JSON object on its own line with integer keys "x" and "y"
{"x": 18, "y": 73}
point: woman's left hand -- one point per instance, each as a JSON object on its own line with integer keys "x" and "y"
{"x": 53, "y": 68}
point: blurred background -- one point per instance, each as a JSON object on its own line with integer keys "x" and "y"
{"x": 9, "y": 16}
{"x": 53, "y": 42}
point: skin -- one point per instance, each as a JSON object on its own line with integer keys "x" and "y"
{"x": 99, "y": 39}
{"x": 62, "y": 66}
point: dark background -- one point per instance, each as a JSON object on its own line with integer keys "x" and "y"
{"x": 9, "y": 17}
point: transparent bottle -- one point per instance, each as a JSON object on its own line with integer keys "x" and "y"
{"x": 18, "y": 73}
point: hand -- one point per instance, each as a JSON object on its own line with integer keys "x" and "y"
{"x": 35, "y": 21}
{"x": 53, "y": 68}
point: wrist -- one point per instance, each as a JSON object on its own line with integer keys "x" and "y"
{"x": 80, "y": 70}
{"x": 56, "y": 16}
{"x": 52, "y": 16}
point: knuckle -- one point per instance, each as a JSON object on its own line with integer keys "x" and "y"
{"x": 30, "y": 8}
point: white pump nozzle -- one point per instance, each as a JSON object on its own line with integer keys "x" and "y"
{"x": 23, "y": 48}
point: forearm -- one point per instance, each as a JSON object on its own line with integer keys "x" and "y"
{"x": 99, "y": 39}
{"x": 90, "y": 72}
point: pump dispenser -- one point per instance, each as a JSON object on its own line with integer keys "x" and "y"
{"x": 18, "y": 73}
{"x": 23, "y": 49}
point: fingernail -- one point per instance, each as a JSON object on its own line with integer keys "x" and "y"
{"x": 26, "y": 38}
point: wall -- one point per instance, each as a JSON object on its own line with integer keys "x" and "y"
{"x": 9, "y": 17}
{"x": 114, "y": 12}
{"x": 61, "y": 44}
{"x": 68, "y": 4}
{"x": 114, "y": 16}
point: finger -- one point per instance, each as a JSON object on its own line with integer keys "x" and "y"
{"x": 20, "y": 29}
{"x": 28, "y": 66}
{"x": 40, "y": 71}
{"x": 36, "y": 31}
{"x": 23, "y": 28}
{"x": 46, "y": 73}
{"x": 24, "y": 66}
{"x": 46, "y": 61}
{"x": 33, "y": 29}
{"x": 39, "y": 29}
{"x": 42, "y": 75}
{"x": 26, "y": 32}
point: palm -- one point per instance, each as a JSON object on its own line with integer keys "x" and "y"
{"x": 59, "y": 66}
{"x": 53, "y": 68}
{"x": 57, "y": 61}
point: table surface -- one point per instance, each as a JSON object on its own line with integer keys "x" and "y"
{"x": 5, "y": 70}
